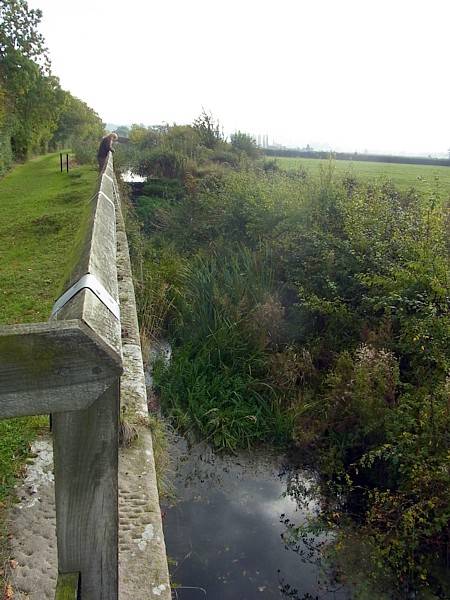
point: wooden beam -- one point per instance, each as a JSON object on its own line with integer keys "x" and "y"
{"x": 53, "y": 367}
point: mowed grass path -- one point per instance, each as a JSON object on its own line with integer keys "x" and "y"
{"x": 425, "y": 178}
{"x": 40, "y": 211}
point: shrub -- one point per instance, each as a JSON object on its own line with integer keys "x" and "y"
{"x": 242, "y": 142}
{"x": 161, "y": 163}
{"x": 85, "y": 151}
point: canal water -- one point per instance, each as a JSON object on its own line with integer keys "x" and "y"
{"x": 227, "y": 529}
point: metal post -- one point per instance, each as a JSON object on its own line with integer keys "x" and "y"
{"x": 67, "y": 163}
{"x": 60, "y": 160}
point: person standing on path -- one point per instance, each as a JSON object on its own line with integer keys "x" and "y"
{"x": 106, "y": 145}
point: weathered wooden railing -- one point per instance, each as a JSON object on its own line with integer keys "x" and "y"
{"x": 70, "y": 367}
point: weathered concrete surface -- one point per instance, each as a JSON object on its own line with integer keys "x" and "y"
{"x": 32, "y": 528}
{"x": 85, "y": 442}
{"x": 143, "y": 571}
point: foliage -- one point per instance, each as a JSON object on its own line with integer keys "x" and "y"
{"x": 242, "y": 142}
{"x": 78, "y": 124}
{"x": 222, "y": 394}
{"x": 144, "y": 137}
{"x": 319, "y": 305}
{"x": 35, "y": 113}
{"x": 19, "y": 31}
{"x": 208, "y": 130}
{"x": 157, "y": 285}
{"x": 218, "y": 378}
{"x": 161, "y": 163}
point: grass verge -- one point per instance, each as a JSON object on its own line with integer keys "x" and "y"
{"x": 40, "y": 214}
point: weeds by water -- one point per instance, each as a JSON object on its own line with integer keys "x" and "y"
{"x": 163, "y": 464}
{"x": 218, "y": 377}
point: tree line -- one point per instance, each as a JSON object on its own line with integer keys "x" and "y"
{"x": 36, "y": 114}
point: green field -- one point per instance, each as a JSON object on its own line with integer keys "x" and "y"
{"x": 425, "y": 178}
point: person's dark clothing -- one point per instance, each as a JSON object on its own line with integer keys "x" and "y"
{"x": 104, "y": 148}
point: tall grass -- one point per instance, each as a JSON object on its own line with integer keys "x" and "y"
{"x": 218, "y": 379}
{"x": 222, "y": 289}
{"x": 157, "y": 286}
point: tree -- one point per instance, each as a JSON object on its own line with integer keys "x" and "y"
{"x": 208, "y": 130}
{"x": 183, "y": 139}
{"x": 144, "y": 137}
{"x": 77, "y": 122}
{"x": 242, "y": 142}
{"x": 34, "y": 110}
{"x": 19, "y": 33}
{"x": 29, "y": 94}
{"x": 123, "y": 131}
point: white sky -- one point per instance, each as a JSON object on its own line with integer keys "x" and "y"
{"x": 349, "y": 74}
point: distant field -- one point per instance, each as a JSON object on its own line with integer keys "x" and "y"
{"x": 423, "y": 177}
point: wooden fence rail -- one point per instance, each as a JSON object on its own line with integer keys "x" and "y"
{"x": 70, "y": 367}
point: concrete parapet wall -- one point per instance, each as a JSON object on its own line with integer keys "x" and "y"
{"x": 143, "y": 571}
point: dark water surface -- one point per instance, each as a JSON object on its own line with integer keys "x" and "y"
{"x": 224, "y": 530}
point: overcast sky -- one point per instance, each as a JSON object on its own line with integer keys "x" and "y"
{"x": 349, "y": 74}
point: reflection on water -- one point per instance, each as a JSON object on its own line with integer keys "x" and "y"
{"x": 130, "y": 177}
{"x": 228, "y": 530}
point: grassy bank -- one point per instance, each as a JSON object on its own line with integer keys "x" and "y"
{"x": 40, "y": 212}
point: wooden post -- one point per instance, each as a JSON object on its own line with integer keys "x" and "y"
{"x": 86, "y": 464}
{"x": 60, "y": 160}
{"x": 67, "y": 163}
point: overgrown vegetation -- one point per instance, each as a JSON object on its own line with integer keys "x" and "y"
{"x": 310, "y": 309}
